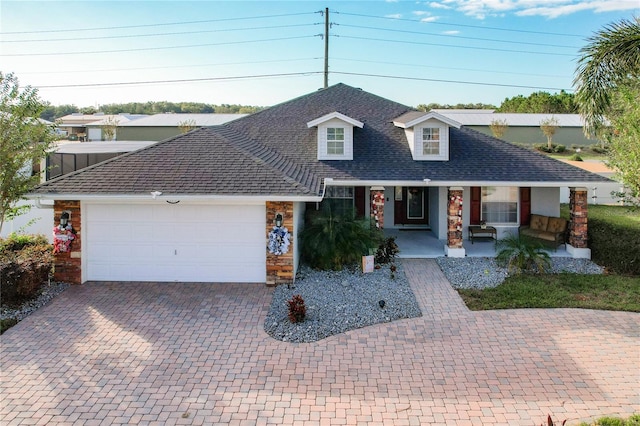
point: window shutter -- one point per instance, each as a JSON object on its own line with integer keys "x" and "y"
{"x": 525, "y": 205}
{"x": 476, "y": 197}
{"x": 360, "y": 200}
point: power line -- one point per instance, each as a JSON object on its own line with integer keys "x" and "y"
{"x": 453, "y": 45}
{"x": 462, "y": 25}
{"x": 184, "y": 80}
{"x": 158, "y": 24}
{"x": 458, "y": 37}
{"x": 296, "y": 74}
{"x": 450, "y": 81}
{"x": 76, "y": 71}
{"x": 140, "y": 49}
{"x": 159, "y": 34}
{"x": 448, "y": 68}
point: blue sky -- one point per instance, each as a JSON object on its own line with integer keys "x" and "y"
{"x": 266, "y": 52}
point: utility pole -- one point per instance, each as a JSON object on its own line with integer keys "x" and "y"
{"x": 326, "y": 47}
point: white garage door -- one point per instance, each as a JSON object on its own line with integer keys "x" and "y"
{"x": 181, "y": 242}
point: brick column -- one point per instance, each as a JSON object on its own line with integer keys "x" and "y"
{"x": 279, "y": 267}
{"x": 377, "y": 206}
{"x": 578, "y": 235}
{"x": 454, "y": 246}
{"x": 68, "y": 265}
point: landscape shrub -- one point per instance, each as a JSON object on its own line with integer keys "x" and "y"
{"x": 615, "y": 244}
{"x": 519, "y": 254}
{"x": 575, "y": 157}
{"x": 297, "y": 309}
{"x": 387, "y": 251}
{"x": 543, "y": 147}
{"x": 333, "y": 241}
{"x": 614, "y": 237}
{"x": 25, "y": 265}
{"x": 598, "y": 149}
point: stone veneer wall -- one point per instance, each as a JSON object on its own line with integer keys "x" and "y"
{"x": 454, "y": 218}
{"x": 68, "y": 266}
{"x": 578, "y": 223}
{"x": 280, "y": 269}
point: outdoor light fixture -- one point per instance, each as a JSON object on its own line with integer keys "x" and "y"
{"x": 155, "y": 194}
{"x": 64, "y": 219}
{"x": 279, "y": 220}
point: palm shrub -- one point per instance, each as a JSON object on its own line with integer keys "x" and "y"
{"x": 332, "y": 241}
{"x": 521, "y": 254}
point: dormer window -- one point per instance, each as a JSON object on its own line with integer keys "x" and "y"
{"x": 427, "y": 134}
{"x": 335, "y": 136}
{"x": 335, "y": 141}
{"x": 431, "y": 141}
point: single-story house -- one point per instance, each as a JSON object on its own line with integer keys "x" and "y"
{"x": 87, "y": 127}
{"x": 166, "y": 125}
{"x": 201, "y": 206}
{"x": 523, "y": 128}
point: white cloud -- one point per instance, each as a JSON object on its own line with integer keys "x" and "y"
{"x": 430, "y": 19}
{"x": 451, "y": 32}
{"x": 394, "y": 16}
{"x": 421, "y": 13}
{"x": 480, "y": 9}
{"x": 597, "y": 6}
{"x": 437, "y": 5}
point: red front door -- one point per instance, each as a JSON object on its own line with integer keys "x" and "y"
{"x": 411, "y": 206}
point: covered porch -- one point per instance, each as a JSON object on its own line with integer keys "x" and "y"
{"x": 423, "y": 244}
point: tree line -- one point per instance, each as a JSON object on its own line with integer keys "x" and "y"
{"x": 538, "y": 102}
{"x": 53, "y": 112}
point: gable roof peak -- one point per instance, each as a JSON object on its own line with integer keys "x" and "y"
{"x": 337, "y": 115}
{"x": 411, "y": 118}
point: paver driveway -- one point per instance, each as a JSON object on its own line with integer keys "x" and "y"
{"x": 116, "y": 353}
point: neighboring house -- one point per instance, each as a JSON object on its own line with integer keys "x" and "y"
{"x": 76, "y": 125}
{"x": 158, "y": 127}
{"x": 68, "y": 157}
{"x": 523, "y": 128}
{"x": 96, "y": 129}
{"x": 199, "y": 207}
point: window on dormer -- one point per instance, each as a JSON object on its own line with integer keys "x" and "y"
{"x": 431, "y": 141}
{"x": 335, "y": 141}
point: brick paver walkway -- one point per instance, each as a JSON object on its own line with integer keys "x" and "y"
{"x": 148, "y": 353}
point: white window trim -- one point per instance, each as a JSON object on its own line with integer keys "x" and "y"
{"x": 335, "y": 141}
{"x": 418, "y": 152}
{"x": 517, "y": 201}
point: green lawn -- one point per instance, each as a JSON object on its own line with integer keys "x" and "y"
{"x": 606, "y": 292}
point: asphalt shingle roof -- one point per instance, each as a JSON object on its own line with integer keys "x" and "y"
{"x": 274, "y": 152}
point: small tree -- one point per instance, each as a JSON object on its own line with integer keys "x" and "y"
{"x": 549, "y": 127}
{"x": 24, "y": 139}
{"x": 498, "y": 128}
{"x": 109, "y": 128}
{"x": 186, "y": 126}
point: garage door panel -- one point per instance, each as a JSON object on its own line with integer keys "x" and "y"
{"x": 191, "y": 243}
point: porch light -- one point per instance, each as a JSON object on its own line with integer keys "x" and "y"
{"x": 155, "y": 194}
{"x": 279, "y": 220}
{"x": 64, "y": 219}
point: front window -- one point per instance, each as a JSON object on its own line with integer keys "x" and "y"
{"x": 431, "y": 141}
{"x": 499, "y": 204}
{"x": 335, "y": 141}
{"x": 340, "y": 199}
